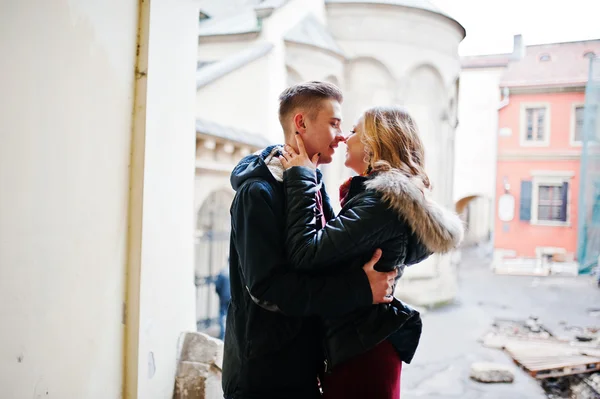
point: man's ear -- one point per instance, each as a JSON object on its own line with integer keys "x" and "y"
{"x": 300, "y": 123}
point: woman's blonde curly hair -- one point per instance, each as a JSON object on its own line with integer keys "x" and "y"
{"x": 392, "y": 141}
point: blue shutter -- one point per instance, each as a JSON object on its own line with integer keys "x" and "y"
{"x": 525, "y": 204}
{"x": 563, "y": 209}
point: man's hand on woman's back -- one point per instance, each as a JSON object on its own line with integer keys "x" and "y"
{"x": 382, "y": 283}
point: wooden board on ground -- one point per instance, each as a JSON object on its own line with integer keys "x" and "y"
{"x": 553, "y": 358}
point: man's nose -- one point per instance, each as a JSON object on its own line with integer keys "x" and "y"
{"x": 340, "y": 138}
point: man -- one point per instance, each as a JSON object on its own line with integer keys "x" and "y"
{"x": 223, "y": 290}
{"x": 272, "y": 343}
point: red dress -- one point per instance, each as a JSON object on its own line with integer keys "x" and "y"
{"x": 372, "y": 375}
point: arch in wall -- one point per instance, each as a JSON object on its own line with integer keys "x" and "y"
{"x": 426, "y": 100}
{"x": 213, "y": 225}
{"x": 376, "y": 63}
{"x": 476, "y": 212}
{"x": 368, "y": 82}
{"x": 462, "y": 203}
{"x": 425, "y": 84}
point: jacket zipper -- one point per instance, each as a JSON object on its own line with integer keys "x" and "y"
{"x": 326, "y": 362}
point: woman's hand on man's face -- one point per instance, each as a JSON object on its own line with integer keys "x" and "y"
{"x": 290, "y": 158}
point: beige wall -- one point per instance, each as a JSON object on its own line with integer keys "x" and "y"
{"x": 286, "y": 17}
{"x": 243, "y": 99}
{"x": 254, "y": 89}
{"x": 480, "y": 220}
{"x": 314, "y": 64}
{"x": 403, "y": 56}
{"x": 401, "y": 38}
{"x": 65, "y": 132}
{"x": 74, "y": 250}
{"x": 475, "y": 144}
{"x": 207, "y": 182}
{"x": 215, "y": 50}
{"x": 475, "y": 147}
{"x": 166, "y": 246}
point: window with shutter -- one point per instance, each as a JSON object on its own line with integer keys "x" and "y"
{"x": 525, "y": 201}
{"x": 552, "y": 203}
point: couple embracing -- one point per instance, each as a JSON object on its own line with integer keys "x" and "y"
{"x": 312, "y": 311}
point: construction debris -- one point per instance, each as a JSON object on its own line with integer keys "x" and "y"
{"x": 491, "y": 373}
{"x": 567, "y": 366}
{"x": 573, "y": 387}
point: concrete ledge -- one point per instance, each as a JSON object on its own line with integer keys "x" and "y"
{"x": 199, "y": 370}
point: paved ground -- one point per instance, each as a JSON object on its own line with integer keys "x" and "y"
{"x": 449, "y": 344}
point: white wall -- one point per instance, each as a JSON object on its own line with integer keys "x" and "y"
{"x": 71, "y": 241}
{"x": 479, "y": 226}
{"x": 401, "y": 38}
{"x": 314, "y": 64}
{"x": 475, "y": 147}
{"x": 409, "y": 57}
{"x": 243, "y": 99}
{"x": 207, "y": 182}
{"x": 475, "y": 143}
{"x": 215, "y": 50}
{"x": 403, "y": 56}
{"x": 274, "y": 29}
{"x": 65, "y": 131}
{"x": 287, "y": 16}
{"x": 164, "y": 246}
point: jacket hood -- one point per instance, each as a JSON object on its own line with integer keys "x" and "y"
{"x": 263, "y": 164}
{"x": 439, "y": 229}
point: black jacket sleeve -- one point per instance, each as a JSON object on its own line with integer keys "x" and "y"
{"x": 416, "y": 252}
{"x": 258, "y": 239}
{"x": 350, "y": 233}
{"x": 327, "y": 208}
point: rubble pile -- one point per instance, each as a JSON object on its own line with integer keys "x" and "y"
{"x": 566, "y": 364}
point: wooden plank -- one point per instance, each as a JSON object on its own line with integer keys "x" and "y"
{"x": 552, "y": 359}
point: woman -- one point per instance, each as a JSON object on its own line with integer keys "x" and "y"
{"x": 387, "y": 207}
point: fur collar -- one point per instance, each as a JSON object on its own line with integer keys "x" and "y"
{"x": 439, "y": 229}
{"x": 276, "y": 167}
{"x": 273, "y": 163}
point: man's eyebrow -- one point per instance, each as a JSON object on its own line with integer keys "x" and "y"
{"x": 336, "y": 118}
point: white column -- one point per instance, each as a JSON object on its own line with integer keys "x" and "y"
{"x": 87, "y": 231}
{"x": 160, "y": 296}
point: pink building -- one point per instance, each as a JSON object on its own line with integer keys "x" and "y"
{"x": 539, "y": 149}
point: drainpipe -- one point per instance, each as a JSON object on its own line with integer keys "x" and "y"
{"x": 505, "y": 98}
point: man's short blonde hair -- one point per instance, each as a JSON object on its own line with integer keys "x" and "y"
{"x": 305, "y": 97}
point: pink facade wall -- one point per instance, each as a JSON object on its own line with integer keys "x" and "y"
{"x": 517, "y": 163}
